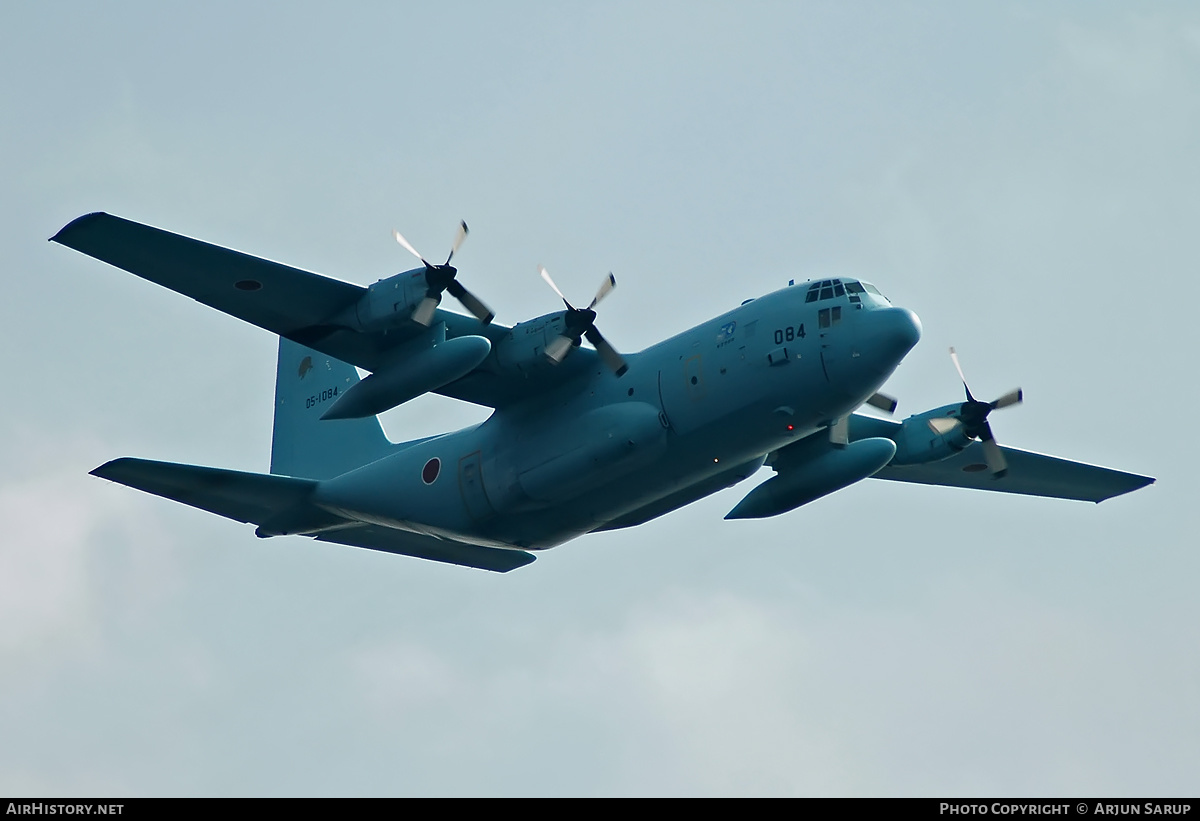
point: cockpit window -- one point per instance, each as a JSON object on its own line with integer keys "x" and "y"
{"x": 824, "y": 289}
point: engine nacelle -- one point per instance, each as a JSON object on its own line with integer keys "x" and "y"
{"x": 818, "y": 470}
{"x": 387, "y": 303}
{"x": 917, "y": 442}
{"x": 524, "y": 347}
{"x": 415, "y": 369}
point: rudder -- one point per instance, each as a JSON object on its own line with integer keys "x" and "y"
{"x": 307, "y": 382}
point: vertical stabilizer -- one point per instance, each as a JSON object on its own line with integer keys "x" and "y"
{"x": 307, "y": 383}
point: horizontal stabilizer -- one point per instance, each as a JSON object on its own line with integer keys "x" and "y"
{"x": 279, "y": 504}
{"x": 375, "y": 537}
{"x": 244, "y": 497}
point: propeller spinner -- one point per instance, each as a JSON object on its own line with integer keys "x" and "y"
{"x": 439, "y": 278}
{"x": 580, "y": 324}
{"x": 972, "y": 415}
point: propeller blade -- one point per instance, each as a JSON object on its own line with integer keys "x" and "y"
{"x": 423, "y": 313}
{"x": 458, "y": 240}
{"x": 606, "y": 287}
{"x": 607, "y": 352}
{"x": 882, "y": 401}
{"x": 1013, "y": 397}
{"x": 471, "y": 302}
{"x": 546, "y": 276}
{"x": 408, "y": 246}
{"x": 943, "y": 424}
{"x": 558, "y": 348}
{"x": 994, "y": 458}
{"x": 958, "y": 367}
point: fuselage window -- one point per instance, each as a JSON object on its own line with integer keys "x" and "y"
{"x": 829, "y": 316}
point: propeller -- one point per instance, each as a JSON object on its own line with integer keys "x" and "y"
{"x": 580, "y": 323}
{"x": 439, "y": 278}
{"x": 839, "y": 431}
{"x": 972, "y": 415}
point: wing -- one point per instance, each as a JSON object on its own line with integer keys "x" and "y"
{"x": 281, "y": 299}
{"x": 1029, "y": 473}
{"x": 297, "y": 304}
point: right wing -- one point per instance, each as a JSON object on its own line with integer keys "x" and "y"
{"x": 1029, "y": 473}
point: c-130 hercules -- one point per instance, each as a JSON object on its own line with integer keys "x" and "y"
{"x": 581, "y": 439}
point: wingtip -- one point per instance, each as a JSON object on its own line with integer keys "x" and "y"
{"x": 111, "y": 468}
{"x": 74, "y": 225}
{"x": 525, "y": 561}
{"x": 1138, "y": 482}
{"x": 102, "y": 471}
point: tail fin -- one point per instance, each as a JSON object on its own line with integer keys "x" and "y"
{"x": 307, "y": 382}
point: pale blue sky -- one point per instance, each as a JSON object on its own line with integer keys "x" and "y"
{"x": 1024, "y": 177}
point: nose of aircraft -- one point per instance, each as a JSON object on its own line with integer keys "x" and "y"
{"x": 898, "y": 330}
{"x": 886, "y": 336}
{"x": 879, "y": 340}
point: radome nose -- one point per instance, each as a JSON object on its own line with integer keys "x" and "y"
{"x": 900, "y": 329}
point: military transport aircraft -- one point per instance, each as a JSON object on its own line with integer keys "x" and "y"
{"x": 581, "y": 439}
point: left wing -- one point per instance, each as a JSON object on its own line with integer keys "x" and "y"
{"x": 281, "y": 299}
{"x": 1029, "y": 473}
{"x": 298, "y": 304}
